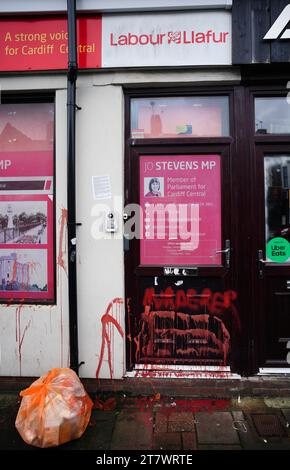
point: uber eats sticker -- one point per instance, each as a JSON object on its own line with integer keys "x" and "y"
{"x": 278, "y": 250}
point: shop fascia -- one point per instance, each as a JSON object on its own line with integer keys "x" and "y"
{"x": 179, "y": 37}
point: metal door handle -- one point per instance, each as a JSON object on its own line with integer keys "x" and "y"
{"x": 223, "y": 251}
{"x": 261, "y": 262}
{"x": 227, "y": 252}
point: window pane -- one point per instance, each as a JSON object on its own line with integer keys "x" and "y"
{"x": 179, "y": 117}
{"x": 277, "y": 197}
{"x": 272, "y": 115}
{"x": 26, "y": 202}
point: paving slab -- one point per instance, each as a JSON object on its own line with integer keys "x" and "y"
{"x": 189, "y": 440}
{"x": 247, "y": 433}
{"x": 180, "y": 422}
{"x": 254, "y": 441}
{"x": 167, "y": 441}
{"x": 133, "y": 431}
{"x": 216, "y": 428}
{"x": 98, "y": 434}
{"x": 160, "y": 422}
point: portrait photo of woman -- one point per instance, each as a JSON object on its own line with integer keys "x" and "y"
{"x": 154, "y": 187}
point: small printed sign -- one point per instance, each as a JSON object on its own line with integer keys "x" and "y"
{"x": 278, "y": 250}
{"x": 101, "y": 187}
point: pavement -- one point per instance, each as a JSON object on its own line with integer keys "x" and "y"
{"x": 165, "y": 423}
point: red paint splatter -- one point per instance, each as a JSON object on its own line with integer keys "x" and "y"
{"x": 109, "y": 321}
{"x": 167, "y": 334}
{"x": 108, "y": 405}
{"x": 166, "y": 406}
{"x": 62, "y": 249}
{"x": 217, "y": 303}
{"x": 19, "y": 336}
{"x": 169, "y": 374}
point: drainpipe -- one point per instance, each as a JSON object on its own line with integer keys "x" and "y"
{"x": 71, "y": 183}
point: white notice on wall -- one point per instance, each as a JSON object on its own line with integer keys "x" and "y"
{"x": 101, "y": 187}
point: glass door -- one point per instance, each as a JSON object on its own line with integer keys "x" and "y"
{"x": 273, "y": 254}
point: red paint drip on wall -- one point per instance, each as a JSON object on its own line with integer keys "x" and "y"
{"x": 110, "y": 320}
{"x": 160, "y": 336}
{"x": 19, "y": 336}
{"x": 62, "y": 241}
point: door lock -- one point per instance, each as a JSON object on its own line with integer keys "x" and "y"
{"x": 227, "y": 252}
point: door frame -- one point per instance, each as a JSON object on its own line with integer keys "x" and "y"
{"x": 235, "y": 144}
{"x": 255, "y": 143}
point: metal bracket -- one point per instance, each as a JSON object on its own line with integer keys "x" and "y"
{"x": 78, "y": 108}
{"x": 126, "y": 243}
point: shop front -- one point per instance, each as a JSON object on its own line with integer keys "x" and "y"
{"x": 182, "y": 191}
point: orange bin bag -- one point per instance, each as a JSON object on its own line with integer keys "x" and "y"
{"x": 55, "y": 409}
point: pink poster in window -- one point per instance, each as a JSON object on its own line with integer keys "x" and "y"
{"x": 180, "y": 199}
{"x": 26, "y": 226}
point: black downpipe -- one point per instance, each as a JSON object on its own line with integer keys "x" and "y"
{"x": 71, "y": 184}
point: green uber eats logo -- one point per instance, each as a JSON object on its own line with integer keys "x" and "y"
{"x": 278, "y": 250}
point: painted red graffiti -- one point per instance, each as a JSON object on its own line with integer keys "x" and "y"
{"x": 62, "y": 241}
{"x": 168, "y": 334}
{"x": 214, "y": 303}
{"x": 109, "y": 321}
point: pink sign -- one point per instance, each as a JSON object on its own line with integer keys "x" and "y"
{"x": 24, "y": 163}
{"x": 180, "y": 199}
{"x": 26, "y": 226}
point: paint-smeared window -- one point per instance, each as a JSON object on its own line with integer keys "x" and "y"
{"x": 26, "y": 202}
{"x": 179, "y": 117}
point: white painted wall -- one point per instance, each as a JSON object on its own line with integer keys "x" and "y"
{"x": 100, "y": 150}
{"x": 100, "y": 267}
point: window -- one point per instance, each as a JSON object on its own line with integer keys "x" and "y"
{"x": 272, "y": 115}
{"x": 27, "y": 202}
{"x": 179, "y": 117}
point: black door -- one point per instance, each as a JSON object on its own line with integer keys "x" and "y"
{"x": 182, "y": 308}
{"x": 272, "y": 237}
